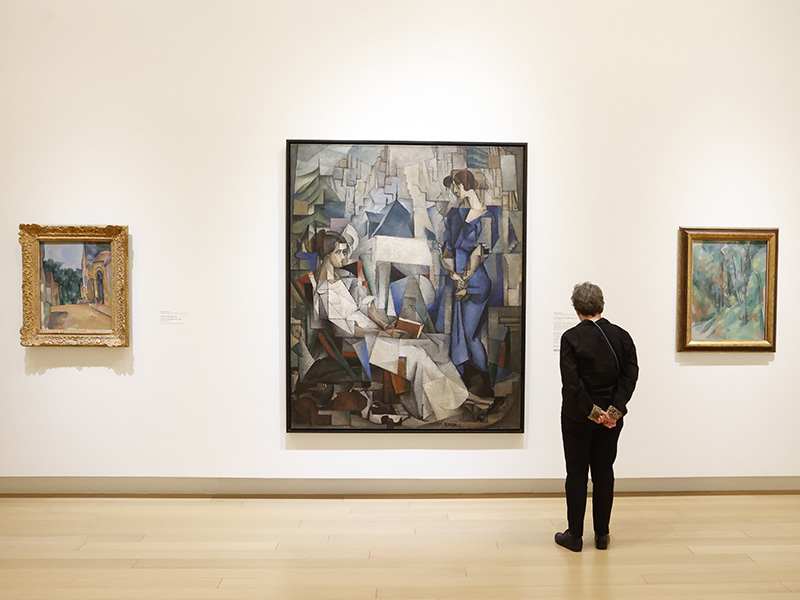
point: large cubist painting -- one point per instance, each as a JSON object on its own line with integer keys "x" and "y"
{"x": 406, "y": 286}
{"x": 727, "y": 289}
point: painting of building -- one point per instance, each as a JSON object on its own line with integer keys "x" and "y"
{"x": 76, "y": 284}
{"x": 96, "y": 275}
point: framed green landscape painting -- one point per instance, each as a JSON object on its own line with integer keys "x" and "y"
{"x": 727, "y": 289}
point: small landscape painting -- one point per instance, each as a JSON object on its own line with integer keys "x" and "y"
{"x": 728, "y": 287}
{"x": 74, "y": 285}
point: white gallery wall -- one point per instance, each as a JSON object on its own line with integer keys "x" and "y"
{"x": 171, "y": 117}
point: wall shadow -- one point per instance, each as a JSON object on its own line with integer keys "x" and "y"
{"x": 404, "y": 441}
{"x": 734, "y": 359}
{"x": 41, "y": 359}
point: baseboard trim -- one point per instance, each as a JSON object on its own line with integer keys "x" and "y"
{"x": 251, "y": 487}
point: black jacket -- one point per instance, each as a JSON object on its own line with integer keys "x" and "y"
{"x": 590, "y": 374}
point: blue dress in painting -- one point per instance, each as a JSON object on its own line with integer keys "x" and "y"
{"x": 469, "y": 316}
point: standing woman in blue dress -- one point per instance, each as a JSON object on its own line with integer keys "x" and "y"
{"x": 468, "y": 281}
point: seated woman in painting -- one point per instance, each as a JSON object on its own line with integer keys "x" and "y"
{"x": 433, "y": 390}
{"x": 340, "y": 297}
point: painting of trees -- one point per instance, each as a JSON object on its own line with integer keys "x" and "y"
{"x": 68, "y": 280}
{"x": 728, "y": 290}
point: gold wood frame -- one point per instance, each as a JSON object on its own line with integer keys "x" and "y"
{"x": 761, "y": 283}
{"x": 33, "y": 333}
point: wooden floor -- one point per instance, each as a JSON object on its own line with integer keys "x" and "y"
{"x": 695, "y": 547}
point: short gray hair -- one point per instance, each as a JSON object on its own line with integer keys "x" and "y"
{"x": 587, "y": 298}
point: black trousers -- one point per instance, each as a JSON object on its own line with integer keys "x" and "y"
{"x": 589, "y": 446}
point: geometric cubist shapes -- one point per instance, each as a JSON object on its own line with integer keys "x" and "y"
{"x": 405, "y": 300}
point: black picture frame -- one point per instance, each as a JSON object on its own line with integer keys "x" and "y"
{"x": 405, "y": 286}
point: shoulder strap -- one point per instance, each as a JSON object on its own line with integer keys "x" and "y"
{"x": 607, "y": 342}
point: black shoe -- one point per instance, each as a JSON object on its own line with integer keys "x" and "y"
{"x": 569, "y": 541}
{"x": 601, "y": 541}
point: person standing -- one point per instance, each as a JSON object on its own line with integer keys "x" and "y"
{"x": 467, "y": 280}
{"x": 599, "y": 370}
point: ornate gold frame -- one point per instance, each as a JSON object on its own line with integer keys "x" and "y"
{"x": 32, "y": 333}
{"x": 687, "y": 236}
